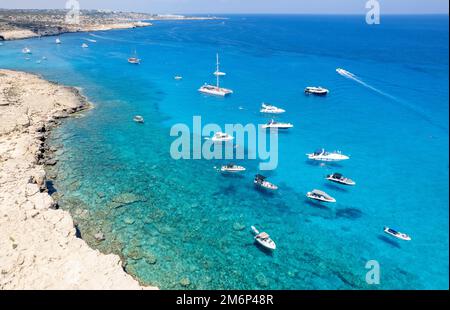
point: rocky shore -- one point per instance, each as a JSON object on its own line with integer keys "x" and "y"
{"x": 39, "y": 248}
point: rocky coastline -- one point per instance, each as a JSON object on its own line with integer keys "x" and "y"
{"x": 39, "y": 245}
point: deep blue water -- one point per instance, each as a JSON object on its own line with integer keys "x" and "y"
{"x": 188, "y": 221}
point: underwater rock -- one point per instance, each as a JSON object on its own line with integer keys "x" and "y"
{"x": 185, "y": 282}
{"x": 238, "y": 226}
{"x": 101, "y": 194}
{"x": 99, "y": 236}
{"x": 150, "y": 258}
{"x": 134, "y": 254}
{"x": 128, "y": 221}
{"x": 262, "y": 280}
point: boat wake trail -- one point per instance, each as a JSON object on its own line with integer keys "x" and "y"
{"x": 414, "y": 109}
{"x": 353, "y": 77}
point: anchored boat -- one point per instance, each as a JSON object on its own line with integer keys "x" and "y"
{"x": 264, "y": 239}
{"x": 322, "y": 155}
{"x": 274, "y": 124}
{"x": 339, "y": 178}
{"x": 215, "y": 89}
{"x": 232, "y": 168}
{"x": 320, "y": 195}
{"x": 260, "y": 181}
{"x": 318, "y": 91}
{"x": 396, "y": 234}
{"x": 271, "y": 109}
{"x": 138, "y": 119}
{"x": 221, "y": 137}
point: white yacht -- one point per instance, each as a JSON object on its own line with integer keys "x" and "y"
{"x": 218, "y": 72}
{"x": 58, "y": 41}
{"x": 320, "y": 195}
{"x": 260, "y": 181}
{"x": 264, "y": 239}
{"x": 396, "y": 234}
{"x": 84, "y": 45}
{"x": 274, "y": 124}
{"x": 221, "y": 137}
{"x": 339, "y": 178}
{"x": 271, "y": 109}
{"x": 26, "y": 50}
{"x": 319, "y": 91}
{"x": 138, "y": 119}
{"x": 322, "y": 155}
{"x": 178, "y": 77}
{"x": 232, "y": 168}
{"x": 215, "y": 89}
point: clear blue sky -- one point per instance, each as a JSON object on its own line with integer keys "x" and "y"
{"x": 244, "y": 6}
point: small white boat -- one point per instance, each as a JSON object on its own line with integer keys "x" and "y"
{"x": 319, "y": 91}
{"x": 58, "y": 41}
{"x": 339, "y": 178}
{"x": 221, "y": 137}
{"x": 345, "y": 73}
{"x": 264, "y": 239}
{"x": 260, "y": 181}
{"x": 178, "y": 77}
{"x": 322, "y": 155}
{"x": 134, "y": 59}
{"x": 320, "y": 195}
{"x": 26, "y": 50}
{"x": 274, "y": 124}
{"x": 138, "y": 119}
{"x": 396, "y": 234}
{"x": 215, "y": 90}
{"x": 271, "y": 109}
{"x": 84, "y": 45}
{"x": 232, "y": 168}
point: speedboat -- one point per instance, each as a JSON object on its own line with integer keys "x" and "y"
{"x": 215, "y": 90}
{"x": 178, "y": 78}
{"x": 260, "y": 181}
{"x": 319, "y": 91}
{"x": 320, "y": 195}
{"x": 58, "y": 41}
{"x": 345, "y": 73}
{"x": 339, "y": 178}
{"x": 134, "y": 60}
{"x": 26, "y": 50}
{"x": 84, "y": 45}
{"x": 264, "y": 239}
{"x": 274, "y": 124}
{"x": 232, "y": 168}
{"x": 322, "y": 155}
{"x": 221, "y": 137}
{"x": 138, "y": 119}
{"x": 271, "y": 109}
{"x": 396, "y": 234}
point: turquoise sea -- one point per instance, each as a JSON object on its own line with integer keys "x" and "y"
{"x": 181, "y": 224}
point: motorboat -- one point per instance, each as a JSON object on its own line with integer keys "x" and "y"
{"x": 319, "y": 91}
{"x": 218, "y": 72}
{"x": 26, "y": 50}
{"x": 221, "y": 137}
{"x": 396, "y": 234}
{"x": 278, "y": 125}
{"x": 232, "y": 168}
{"x": 339, "y": 178}
{"x": 84, "y": 45}
{"x": 345, "y": 73}
{"x": 264, "y": 239}
{"x": 322, "y": 155}
{"x": 138, "y": 119}
{"x": 58, "y": 41}
{"x": 320, "y": 195}
{"x": 215, "y": 90}
{"x": 178, "y": 77}
{"x": 134, "y": 60}
{"x": 271, "y": 109}
{"x": 260, "y": 181}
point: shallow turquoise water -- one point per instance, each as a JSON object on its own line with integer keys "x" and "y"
{"x": 185, "y": 220}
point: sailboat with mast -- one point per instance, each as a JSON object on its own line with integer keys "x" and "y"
{"x": 215, "y": 89}
{"x": 134, "y": 60}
